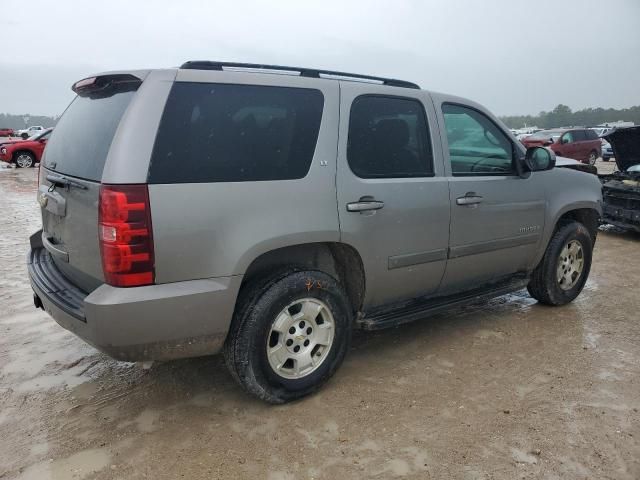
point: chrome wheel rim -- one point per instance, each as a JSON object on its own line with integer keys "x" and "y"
{"x": 24, "y": 161}
{"x": 570, "y": 265}
{"x": 300, "y": 338}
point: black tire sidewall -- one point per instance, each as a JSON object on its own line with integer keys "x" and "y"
{"x": 572, "y": 231}
{"x": 275, "y": 297}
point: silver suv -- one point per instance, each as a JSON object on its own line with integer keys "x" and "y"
{"x": 267, "y": 211}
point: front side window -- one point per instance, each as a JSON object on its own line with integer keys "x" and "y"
{"x": 236, "y": 133}
{"x": 476, "y": 145}
{"x": 568, "y": 137}
{"x": 389, "y": 138}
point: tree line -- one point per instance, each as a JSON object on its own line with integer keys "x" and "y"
{"x": 562, "y": 116}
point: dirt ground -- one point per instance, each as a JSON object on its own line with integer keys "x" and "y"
{"x": 506, "y": 390}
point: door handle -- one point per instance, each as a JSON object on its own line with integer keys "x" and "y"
{"x": 365, "y": 204}
{"x": 53, "y": 250}
{"x": 470, "y": 198}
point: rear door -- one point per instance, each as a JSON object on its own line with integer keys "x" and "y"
{"x": 496, "y": 216}
{"x": 582, "y": 145}
{"x": 71, "y": 174}
{"x": 393, "y": 201}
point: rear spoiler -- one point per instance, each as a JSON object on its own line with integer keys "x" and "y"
{"x": 101, "y": 86}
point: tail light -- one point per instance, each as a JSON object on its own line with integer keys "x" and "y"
{"x": 126, "y": 241}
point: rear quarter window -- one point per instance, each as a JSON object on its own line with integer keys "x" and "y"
{"x": 236, "y": 133}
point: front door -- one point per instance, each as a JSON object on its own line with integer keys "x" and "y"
{"x": 568, "y": 146}
{"x": 497, "y": 217}
{"x": 393, "y": 199}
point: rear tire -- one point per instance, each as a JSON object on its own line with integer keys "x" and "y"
{"x": 279, "y": 353}
{"x": 24, "y": 160}
{"x": 593, "y": 156}
{"x": 564, "y": 269}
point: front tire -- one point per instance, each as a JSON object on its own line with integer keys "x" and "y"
{"x": 564, "y": 269}
{"x": 25, "y": 160}
{"x": 289, "y": 335}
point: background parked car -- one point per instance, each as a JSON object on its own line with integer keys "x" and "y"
{"x": 25, "y": 153}
{"x": 578, "y": 143}
{"x": 607, "y": 151}
{"x": 29, "y": 132}
{"x": 6, "y": 132}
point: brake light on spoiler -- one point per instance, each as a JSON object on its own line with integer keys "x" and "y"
{"x": 126, "y": 236}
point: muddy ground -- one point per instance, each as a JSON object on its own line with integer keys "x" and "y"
{"x": 508, "y": 389}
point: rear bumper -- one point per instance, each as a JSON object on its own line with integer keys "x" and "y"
{"x": 157, "y": 322}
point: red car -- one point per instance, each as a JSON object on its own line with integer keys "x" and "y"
{"x": 580, "y": 144}
{"x": 6, "y": 132}
{"x": 25, "y": 153}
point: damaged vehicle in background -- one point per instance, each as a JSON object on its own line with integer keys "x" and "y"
{"x": 577, "y": 143}
{"x": 621, "y": 190}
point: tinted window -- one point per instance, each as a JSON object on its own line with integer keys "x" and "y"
{"x": 81, "y": 140}
{"x": 579, "y": 135}
{"x": 568, "y": 137}
{"x": 591, "y": 134}
{"x": 476, "y": 145}
{"x": 235, "y": 133}
{"x": 388, "y": 137}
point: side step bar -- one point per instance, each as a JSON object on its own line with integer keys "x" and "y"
{"x": 416, "y": 309}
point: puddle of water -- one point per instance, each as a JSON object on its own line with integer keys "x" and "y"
{"x": 76, "y": 466}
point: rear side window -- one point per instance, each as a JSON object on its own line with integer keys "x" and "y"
{"x": 579, "y": 135}
{"x": 591, "y": 134}
{"x": 80, "y": 142}
{"x": 235, "y": 133}
{"x": 388, "y": 138}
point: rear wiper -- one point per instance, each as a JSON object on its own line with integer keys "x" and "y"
{"x": 65, "y": 182}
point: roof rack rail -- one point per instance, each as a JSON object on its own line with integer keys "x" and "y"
{"x": 304, "y": 72}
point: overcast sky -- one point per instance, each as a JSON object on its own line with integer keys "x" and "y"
{"x": 513, "y": 56}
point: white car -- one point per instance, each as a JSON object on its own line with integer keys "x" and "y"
{"x": 29, "y": 132}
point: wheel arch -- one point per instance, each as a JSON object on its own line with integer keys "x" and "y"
{"x": 340, "y": 260}
{"x": 15, "y": 154}
{"x": 587, "y": 213}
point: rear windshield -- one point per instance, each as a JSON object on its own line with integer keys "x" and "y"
{"x": 81, "y": 139}
{"x": 235, "y": 133}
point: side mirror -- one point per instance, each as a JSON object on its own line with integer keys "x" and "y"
{"x": 538, "y": 159}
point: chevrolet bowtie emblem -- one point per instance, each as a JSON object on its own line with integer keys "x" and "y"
{"x": 42, "y": 200}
